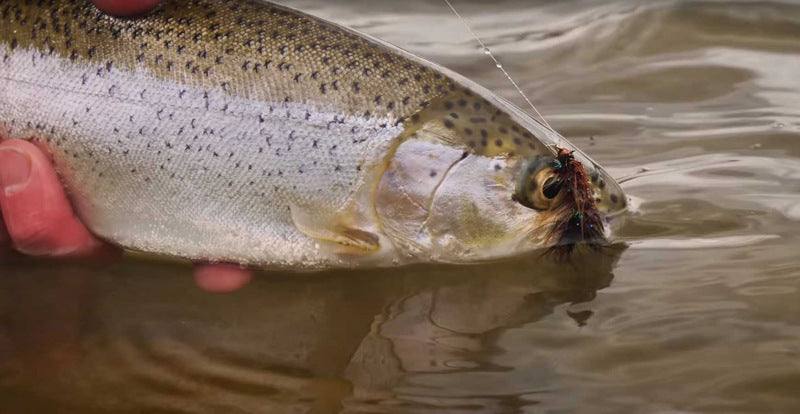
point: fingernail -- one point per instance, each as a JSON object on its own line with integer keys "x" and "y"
{"x": 15, "y": 170}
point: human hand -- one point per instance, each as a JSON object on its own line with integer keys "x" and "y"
{"x": 37, "y": 219}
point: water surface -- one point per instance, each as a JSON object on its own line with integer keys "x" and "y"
{"x": 694, "y": 105}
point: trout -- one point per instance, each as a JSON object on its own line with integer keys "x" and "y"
{"x": 248, "y": 132}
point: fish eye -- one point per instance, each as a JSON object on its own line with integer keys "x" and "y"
{"x": 538, "y": 187}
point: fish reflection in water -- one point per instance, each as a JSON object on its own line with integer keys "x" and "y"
{"x": 140, "y": 337}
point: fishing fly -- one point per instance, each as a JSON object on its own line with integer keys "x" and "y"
{"x": 578, "y": 216}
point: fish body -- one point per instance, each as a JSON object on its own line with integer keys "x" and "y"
{"x": 247, "y": 132}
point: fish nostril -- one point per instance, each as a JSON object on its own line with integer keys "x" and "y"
{"x": 551, "y": 187}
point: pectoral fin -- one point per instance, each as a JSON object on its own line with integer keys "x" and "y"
{"x": 334, "y": 229}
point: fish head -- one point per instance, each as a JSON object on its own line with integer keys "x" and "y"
{"x": 473, "y": 182}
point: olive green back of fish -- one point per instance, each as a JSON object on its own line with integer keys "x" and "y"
{"x": 262, "y": 51}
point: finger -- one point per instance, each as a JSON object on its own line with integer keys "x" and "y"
{"x": 126, "y": 7}
{"x": 37, "y": 214}
{"x": 221, "y": 278}
{"x": 5, "y": 239}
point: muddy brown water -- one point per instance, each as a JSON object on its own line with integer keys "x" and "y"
{"x": 694, "y": 105}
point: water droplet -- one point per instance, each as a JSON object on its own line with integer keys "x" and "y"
{"x": 487, "y": 51}
{"x": 499, "y": 66}
{"x": 778, "y": 125}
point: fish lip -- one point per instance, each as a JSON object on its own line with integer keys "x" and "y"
{"x": 613, "y": 222}
{"x": 616, "y": 213}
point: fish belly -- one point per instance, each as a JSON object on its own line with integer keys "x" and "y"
{"x": 163, "y": 167}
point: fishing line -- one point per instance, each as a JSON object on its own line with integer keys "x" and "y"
{"x": 497, "y": 63}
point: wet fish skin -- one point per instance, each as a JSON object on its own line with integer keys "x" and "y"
{"x": 247, "y": 132}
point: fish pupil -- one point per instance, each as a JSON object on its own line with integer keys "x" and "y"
{"x": 551, "y": 187}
